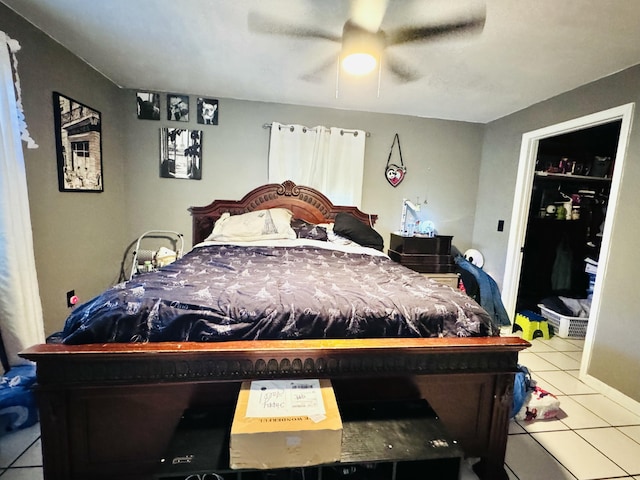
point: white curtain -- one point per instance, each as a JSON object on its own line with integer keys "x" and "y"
{"x": 21, "y": 323}
{"x": 330, "y": 160}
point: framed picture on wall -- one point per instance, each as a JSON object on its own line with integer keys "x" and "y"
{"x": 207, "y": 111}
{"x": 78, "y": 131}
{"x": 181, "y": 153}
{"x": 148, "y": 106}
{"x": 178, "y": 107}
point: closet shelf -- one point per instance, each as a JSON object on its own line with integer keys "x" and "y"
{"x": 569, "y": 176}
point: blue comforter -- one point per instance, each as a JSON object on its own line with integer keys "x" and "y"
{"x": 224, "y": 292}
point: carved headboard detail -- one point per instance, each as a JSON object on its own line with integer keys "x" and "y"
{"x": 305, "y": 203}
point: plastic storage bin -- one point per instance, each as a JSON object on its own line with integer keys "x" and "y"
{"x": 564, "y": 326}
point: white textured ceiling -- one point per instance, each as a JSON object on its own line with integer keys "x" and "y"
{"x": 530, "y": 50}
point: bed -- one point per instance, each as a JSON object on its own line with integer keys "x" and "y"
{"x": 109, "y": 405}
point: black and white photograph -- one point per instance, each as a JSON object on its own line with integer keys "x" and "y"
{"x": 78, "y": 131}
{"x": 181, "y": 153}
{"x": 178, "y": 107}
{"x": 207, "y": 111}
{"x": 148, "y": 106}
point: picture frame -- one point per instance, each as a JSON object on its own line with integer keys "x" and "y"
{"x": 148, "y": 105}
{"x": 78, "y": 133}
{"x": 207, "y": 111}
{"x": 180, "y": 153}
{"x": 177, "y": 107}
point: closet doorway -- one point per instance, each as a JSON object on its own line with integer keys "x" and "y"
{"x": 541, "y": 180}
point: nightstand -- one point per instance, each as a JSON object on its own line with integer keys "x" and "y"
{"x": 430, "y": 256}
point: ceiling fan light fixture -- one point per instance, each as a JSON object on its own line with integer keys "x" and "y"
{"x": 359, "y": 63}
{"x": 361, "y": 49}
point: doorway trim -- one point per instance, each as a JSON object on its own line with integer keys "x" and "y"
{"x": 522, "y": 199}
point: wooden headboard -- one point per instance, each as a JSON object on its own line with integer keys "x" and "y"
{"x": 305, "y": 202}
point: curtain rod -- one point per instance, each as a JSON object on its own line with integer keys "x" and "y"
{"x": 268, "y": 125}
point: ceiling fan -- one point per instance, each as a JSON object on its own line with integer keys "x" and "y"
{"x": 363, "y": 36}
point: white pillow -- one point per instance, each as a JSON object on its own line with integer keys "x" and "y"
{"x": 271, "y": 224}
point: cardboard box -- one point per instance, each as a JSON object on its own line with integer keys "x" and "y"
{"x": 285, "y": 423}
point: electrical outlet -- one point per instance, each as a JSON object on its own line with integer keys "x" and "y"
{"x": 71, "y": 298}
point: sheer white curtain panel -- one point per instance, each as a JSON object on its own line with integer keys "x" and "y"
{"x": 330, "y": 160}
{"x": 21, "y": 321}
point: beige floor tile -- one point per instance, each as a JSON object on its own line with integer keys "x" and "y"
{"x": 578, "y": 456}
{"x": 31, "y": 458}
{"x": 616, "y": 446}
{"x": 529, "y": 461}
{"x": 608, "y": 410}
{"x": 23, "y": 474}
{"x": 563, "y": 344}
{"x": 577, "y": 342}
{"x": 577, "y": 356}
{"x": 632, "y": 432}
{"x": 514, "y": 427}
{"x": 535, "y": 361}
{"x": 540, "y": 345}
{"x": 565, "y": 383}
{"x": 561, "y": 360}
{"x": 575, "y": 415}
{"x": 549, "y": 425}
{"x": 14, "y": 443}
{"x": 543, "y": 384}
{"x": 510, "y": 474}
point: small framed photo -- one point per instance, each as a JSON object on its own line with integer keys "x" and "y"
{"x": 207, "y": 111}
{"x": 148, "y": 106}
{"x": 78, "y": 132}
{"x": 178, "y": 107}
{"x": 180, "y": 153}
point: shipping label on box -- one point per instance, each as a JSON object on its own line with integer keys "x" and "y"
{"x": 285, "y": 423}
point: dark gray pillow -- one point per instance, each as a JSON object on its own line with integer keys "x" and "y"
{"x": 350, "y": 227}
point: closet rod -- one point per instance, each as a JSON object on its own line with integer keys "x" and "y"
{"x": 268, "y": 125}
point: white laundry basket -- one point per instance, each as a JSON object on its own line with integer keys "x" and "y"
{"x": 564, "y": 326}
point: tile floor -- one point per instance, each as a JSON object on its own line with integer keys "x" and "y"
{"x": 592, "y": 439}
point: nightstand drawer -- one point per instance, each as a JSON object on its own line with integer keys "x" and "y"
{"x": 424, "y": 263}
{"x": 438, "y": 245}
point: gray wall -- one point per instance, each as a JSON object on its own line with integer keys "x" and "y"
{"x": 78, "y": 237}
{"x": 81, "y": 239}
{"x": 439, "y": 155}
{"x": 615, "y": 357}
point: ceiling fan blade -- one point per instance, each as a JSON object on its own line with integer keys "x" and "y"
{"x": 368, "y": 14}
{"x": 402, "y": 71}
{"x": 417, "y": 34}
{"x": 260, "y": 23}
{"x": 316, "y": 75}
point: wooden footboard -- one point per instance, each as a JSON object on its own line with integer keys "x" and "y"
{"x": 108, "y": 411}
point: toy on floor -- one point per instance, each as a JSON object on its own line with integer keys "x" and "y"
{"x": 539, "y": 405}
{"x": 531, "y": 402}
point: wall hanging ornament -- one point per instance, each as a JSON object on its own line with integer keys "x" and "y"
{"x": 394, "y": 173}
